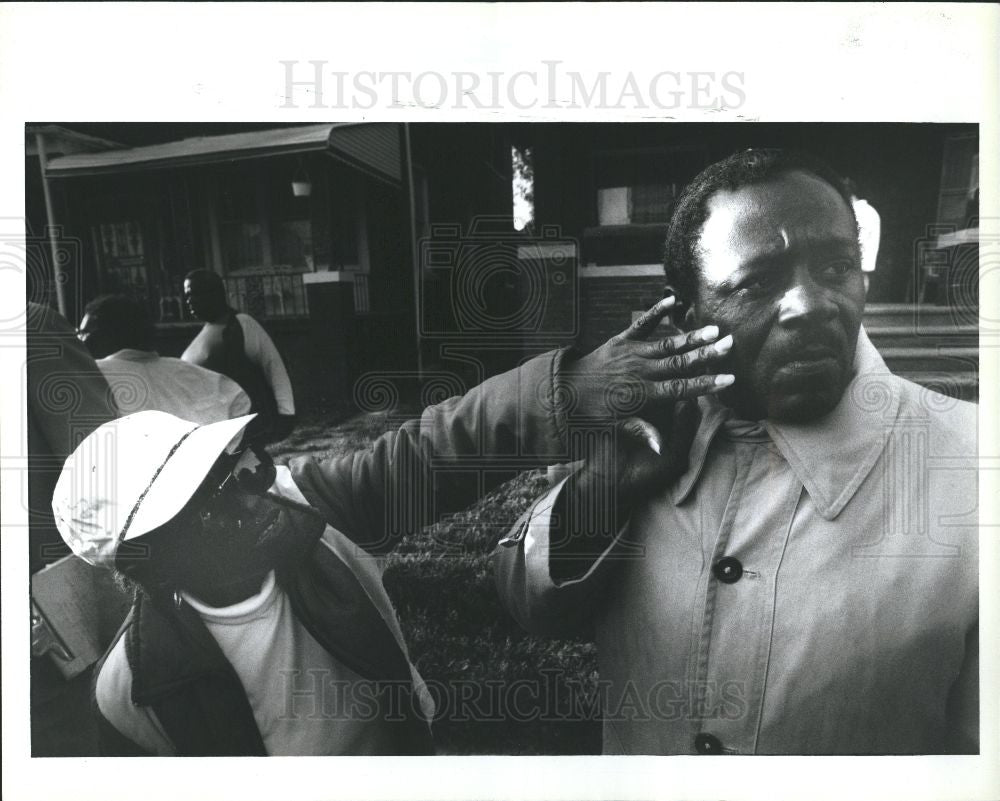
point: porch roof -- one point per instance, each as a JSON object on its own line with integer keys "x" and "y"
{"x": 372, "y": 148}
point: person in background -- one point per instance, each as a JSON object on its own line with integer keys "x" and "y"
{"x": 869, "y": 231}
{"x": 119, "y": 333}
{"x": 236, "y": 345}
{"x": 67, "y": 398}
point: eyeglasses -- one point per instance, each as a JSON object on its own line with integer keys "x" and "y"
{"x": 250, "y": 471}
{"x": 253, "y": 472}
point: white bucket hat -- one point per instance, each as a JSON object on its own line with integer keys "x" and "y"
{"x": 132, "y": 475}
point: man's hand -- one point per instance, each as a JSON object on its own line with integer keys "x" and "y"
{"x": 645, "y": 388}
{"x": 633, "y": 414}
{"x": 630, "y": 375}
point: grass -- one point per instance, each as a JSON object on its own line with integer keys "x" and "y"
{"x": 498, "y": 689}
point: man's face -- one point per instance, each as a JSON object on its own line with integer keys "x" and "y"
{"x": 90, "y": 334}
{"x": 779, "y": 269}
{"x": 199, "y": 299}
{"x": 231, "y": 537}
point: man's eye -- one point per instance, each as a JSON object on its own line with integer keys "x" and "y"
{"x": 838, "y": 267}
{"x": 756, "y": 284}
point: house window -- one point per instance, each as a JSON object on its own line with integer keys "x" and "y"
{"x": 261, "y": 239}
{"x": 127, "y": 239}
{"x": 643, "y": 203}
{"x": 634, "y": 192}
{"x": 262, "y": 225}
{"x": 639, "y": 187}
{"x": 291, "y": 227}
{"x": 241, "y": 226}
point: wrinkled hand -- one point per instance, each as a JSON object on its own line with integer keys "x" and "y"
{"x": 632, "y": 376}
{"x": 647, "y": 389}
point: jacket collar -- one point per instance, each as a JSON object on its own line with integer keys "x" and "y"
{"x": 169, "y": 649}
{"x": 831, "y": 456}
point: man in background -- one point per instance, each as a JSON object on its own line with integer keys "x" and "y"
{"x": 869, "y": 231}
{"x": 119, "y": 333}
{"x": 237, "y": 346}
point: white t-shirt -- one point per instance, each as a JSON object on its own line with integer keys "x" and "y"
{"x": 305, "y": 702}
{"x": 142, "y": 380}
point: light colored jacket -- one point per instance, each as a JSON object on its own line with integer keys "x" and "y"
{"x": 847, "y": 620}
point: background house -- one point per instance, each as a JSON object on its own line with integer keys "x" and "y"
{"x": 610, "y": 188}
{"x": 268, "y": 210}
{"x": 392, "y": 250}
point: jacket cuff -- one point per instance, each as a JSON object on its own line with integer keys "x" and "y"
{"x": 533, "y": 536}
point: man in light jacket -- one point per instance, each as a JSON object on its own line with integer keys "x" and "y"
{"x": 789, "y": 566}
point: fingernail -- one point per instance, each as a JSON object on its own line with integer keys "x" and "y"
{"x": 653, "y": 445}
{"x": 724, "y": 380}
{"x": 708, "y": 333}
{"x": 667, "y": 302}
{"x": 724, "y": 344}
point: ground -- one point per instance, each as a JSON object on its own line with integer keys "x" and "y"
{"x": 498, "y": 690}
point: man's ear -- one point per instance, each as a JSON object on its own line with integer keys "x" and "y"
{"x": 679, "y": 311}
{"x": 690, "y": 321}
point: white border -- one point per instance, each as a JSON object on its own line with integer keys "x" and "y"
{"x": 216, "y": 62}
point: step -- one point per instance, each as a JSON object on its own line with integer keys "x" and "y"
{"x": 931, "y": 359}
{"x": 917, "y": 317}
{"x": 962, "y": 385}
{"x": 930, "y": 336}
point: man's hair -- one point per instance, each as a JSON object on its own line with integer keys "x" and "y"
{"x": 123, "y": 321}
{"x": 206, "y": 279}
{"x": 752, "y": 166}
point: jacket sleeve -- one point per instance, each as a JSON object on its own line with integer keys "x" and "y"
{"x": 453, "y": 454}
{"x": 123, "y": 727}
{"x": 522, "y": 562}
{"x": 111, "y": 742}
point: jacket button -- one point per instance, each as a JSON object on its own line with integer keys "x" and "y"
{"x": 728, "y": 570}
{"x": 707, "y": 744}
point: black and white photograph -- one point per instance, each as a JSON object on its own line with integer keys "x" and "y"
{"x": 502, "y": 441}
